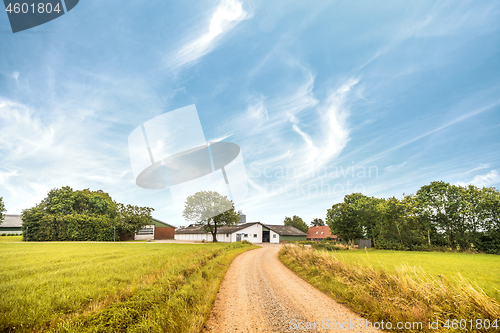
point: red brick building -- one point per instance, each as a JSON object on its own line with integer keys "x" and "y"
{"x": 317, "y": 234}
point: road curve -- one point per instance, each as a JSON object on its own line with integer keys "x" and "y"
{"x": 259, "y": 294}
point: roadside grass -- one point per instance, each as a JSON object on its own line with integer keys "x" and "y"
{"x": 10, "y": 239}
{"x": 110, "y": 287}
{"x": 482, "y": 269}
{"x": 402, "y": 293}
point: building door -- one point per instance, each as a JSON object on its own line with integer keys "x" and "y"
{"x": 265, "y": 236}
{"x": 238, "y": 237}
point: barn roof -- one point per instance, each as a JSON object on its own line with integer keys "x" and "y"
{"x": 12, "y": 221}
{"x": 285, "y": 230}
{"x": 166, "y": 224}
{"x": 282, "y": 230}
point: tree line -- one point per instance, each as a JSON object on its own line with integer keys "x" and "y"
{"x": 439, "y": 215}
{"x": 83, "y": 215}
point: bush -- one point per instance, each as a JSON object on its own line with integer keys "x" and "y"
{"x": 328, "y": 241}
{"x": 246, "y": 242}
{"x": 307, "y": 242}
{"x": 328, "y": 247}
{"x": 67, "y": 215}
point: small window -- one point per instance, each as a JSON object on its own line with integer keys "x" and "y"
{"x": 246, "y": 235}
{"x": 254, "y": 235}
{"x": 227, "y": 235}
{"x": 322, "y": 232}
{"x": 274, "y": 236}
{"x": 317, "y": 232}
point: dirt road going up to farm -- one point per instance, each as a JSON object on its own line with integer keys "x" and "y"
{"x": 259, "y": 294}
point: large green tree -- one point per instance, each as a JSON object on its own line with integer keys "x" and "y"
{"x": 210, "y": 209}
{"x": 131, "y": 218}
{"x": 84, "y": 215}
{"x": 317, "y": 222}
{"x": 344, "y": 220}
{"x": 296, "y": 222}
{"x": 440, "y": 214}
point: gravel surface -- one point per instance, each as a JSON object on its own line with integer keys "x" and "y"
{"x": 259, "y": 294}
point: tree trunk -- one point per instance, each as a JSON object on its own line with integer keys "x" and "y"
{"x": 214, "y": 233}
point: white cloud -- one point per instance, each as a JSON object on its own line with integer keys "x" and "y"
{"x": 258, "y": 111}
{"x": 15, "y": 76}
{"x": 313, "y": 150}
{"x": 301, "y": 99}
{"x": 67, "y": 150}
{"x": 334, "y": 117}
{"x": 226, "y": 15}
{"x": 20, "y": 133}
{"x": 487, "y": 180}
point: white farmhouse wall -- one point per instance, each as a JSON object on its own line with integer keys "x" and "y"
{"x": 250, "y": 231}
{"x": 274, "y": 237}
{"x": 200, "y": 237}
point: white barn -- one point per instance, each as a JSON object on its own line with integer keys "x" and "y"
{"x": 254, "y": 232}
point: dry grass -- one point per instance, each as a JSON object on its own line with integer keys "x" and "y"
{"x": 407, "y": 294}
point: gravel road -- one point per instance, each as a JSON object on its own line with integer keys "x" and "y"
{"x": 259, "y": 294}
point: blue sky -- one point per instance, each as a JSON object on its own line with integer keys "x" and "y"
{"x": 324, "y": 99}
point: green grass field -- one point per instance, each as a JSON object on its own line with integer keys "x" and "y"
{"x": 111, "y": 287}
{"x": 10, "y": 239}
{"x": 483, "y": 269}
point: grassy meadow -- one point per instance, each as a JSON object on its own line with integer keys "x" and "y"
{"x": 10, "y": 239}
{"x": 404, "y": 286}
{"x": 480, "y": 269}
{"x": 110, "y": 287}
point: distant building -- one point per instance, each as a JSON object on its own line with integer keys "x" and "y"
{"x": 254, "y": 232}
{"x": 157, "y": 230}
{"x": 11, "y": 225}
{"x": 317, "y": 234}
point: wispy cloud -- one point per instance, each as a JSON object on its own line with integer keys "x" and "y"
{"x": 258, "y": 111}
{"x": 334, "y": 117}
{"x": 226, "y": 16}
{"x": 313, "y": 150}
{"x": 445, "y": 18}
{"x": 454, "y": 121}
{"x": 38, "y": 155}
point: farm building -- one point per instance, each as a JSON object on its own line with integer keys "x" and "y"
{"x": 255, "y": 232}
{"x": 11, "y": 225}
{"x": 317, "y": 234}
{"x": 157, "y": 230}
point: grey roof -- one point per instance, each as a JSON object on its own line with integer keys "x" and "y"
{"x": 198, "y": 229}
{"x": 168, "y": 225}
{"x": 12, "y": 221}
{"x": 285, "y": 230}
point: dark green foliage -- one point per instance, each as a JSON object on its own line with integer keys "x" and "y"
{"x": 439, "y": 217}
{"x": 345, "y": 219}
{"x": 316, "y": 222}
{"x": 67, "y": 215}
{"x": 296, "y": 222}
